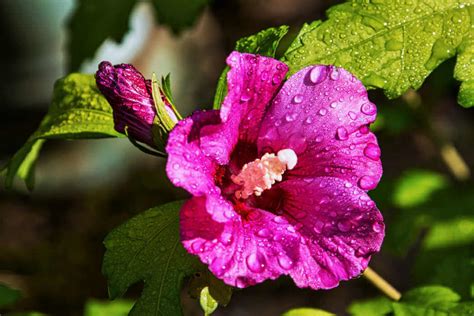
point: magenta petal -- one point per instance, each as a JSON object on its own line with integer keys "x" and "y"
{"x": 340, "y": 225}
{"x": 187, "y": 166}
{"x": 240, "y": 252}
{"x": 252, "y": 82}
{"x": 322, "y": 113}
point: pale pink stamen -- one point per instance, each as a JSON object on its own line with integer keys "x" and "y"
{"x": 260, "y": 174}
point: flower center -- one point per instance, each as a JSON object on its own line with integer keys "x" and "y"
{"x": 260, "y": 174}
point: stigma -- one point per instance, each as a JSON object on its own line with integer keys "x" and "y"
{"x": 260, "y": 174}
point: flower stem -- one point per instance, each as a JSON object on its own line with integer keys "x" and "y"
{"x": 381, "y": 284}
{"x": 455, "y": 162}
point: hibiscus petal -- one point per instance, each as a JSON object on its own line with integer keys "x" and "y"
{"x": 241, "y": 252}
{"x": 187, "y": 166}
{"x": 323, "y": 113}
{"x": 252, "y": 82}
{"x": 340, "y": 227}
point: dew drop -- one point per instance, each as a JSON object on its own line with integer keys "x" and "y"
{"x": 317, "y": 74}
{"x": 368, "y": 108}
{"x": 377, "y": 227}
{"x": 334, "y": 73}
{"x": 246, "y": 96}
{"x": 333, "y": 104}
{"x": 285, "y": 262}
{"x": 290, "y": 117}
{"x": 256, "y": 262}
{"x": 352, "y": 115}
{"x": 344, "y": 226}
{"x": 367, "y": 183}
{"x": 298, "y": 98}
{"x": 341, "y": 133}
{"x": 264, "y": 233}
{"x": 226, "y": 238}
{"x": 322, "y": 112}
{"x": 372, "y": 151}
{"x": 308, "y": 120}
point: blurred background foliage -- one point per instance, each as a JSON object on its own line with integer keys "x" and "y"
{"x": 51, "y": 239}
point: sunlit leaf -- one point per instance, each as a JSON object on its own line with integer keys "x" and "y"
{"x": 391, "y": 45}
{"x": 78, "y": 111}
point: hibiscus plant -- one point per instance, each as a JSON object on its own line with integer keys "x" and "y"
{"x": 279, "y": 171}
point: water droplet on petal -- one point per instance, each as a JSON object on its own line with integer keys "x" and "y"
{"x": 344, "y": 226}
{"x": 308, "y": 120}
{"x": 318, "y": 227}
{"x": 333, "y": 104}
{"x": 290, "y": 117}
{"x": 175, "y": 166}
{"x": 285, "y": 262}
{"x": 367, "y": 183}
{"x": 377, "y": 227}
{"x": 334, "y": 73}
{"x": 264, "y": 232}
{"x": 368, "y": 108}
{"x": 256, "y": 262}
{"x": 197, "y": 246}
{"x": 364, "y": 129}
{"x": 246, "y": 96}
{"x": 372, "y": 151}
{"x": 341, "y": 133}
{"x": 352, "y": 115}
{"x": 322, "y": 112}
{"x": 298, "y": 98}
{"x": 279, "y": 220}
{"x": 317, "y": 75}
{"x": 226, "y": 238}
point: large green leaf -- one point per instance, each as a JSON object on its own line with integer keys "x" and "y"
{"x": 178, "y": 14}
{"x": 393, "y": 45}
{"x": 92, "y": 23}
{"x": 78, "y": 110}
{"x": 428, "y": 300}
{"x": 147, "y": 248}
{"x": 263, "y": 43}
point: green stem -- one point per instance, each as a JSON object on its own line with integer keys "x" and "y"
{"x": 381, "y": 284}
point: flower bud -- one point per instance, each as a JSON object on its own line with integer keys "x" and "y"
{"x": 131, "y": 98}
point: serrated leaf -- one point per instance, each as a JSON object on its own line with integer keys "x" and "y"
{"x": 178, "y": 14}
{"x": 78, "y": 110}
{"x": 391, "y": 45}
{"x": 147, "y": 248}
{"x": 263, "y": 43}
{"x": 8, "y": 296}
{"x": 106, "y": 308}
{"x": 92, "y": 23}
{"x": 306, "y": 311}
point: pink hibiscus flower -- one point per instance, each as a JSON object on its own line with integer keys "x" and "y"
{"x": 279, "y": 176}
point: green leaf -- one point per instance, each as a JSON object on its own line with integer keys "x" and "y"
{"x": 78, "y": 110}
{"x": 92, "y": 23}
{"x": 374, "y": 307}
{"x": 429, "y": 300}
{"x": 306, "y": 311}
{"x": 147, "y": 248}
{"x": 389, "y": 44}
{"x": 178, "y": 14}
{"x": 8, "y": 296}
{"x": 105, "y": 308}
{"x": 208, "y": 303}
{"x": 416, "y": 187}
{"x": 263, "y": 43}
